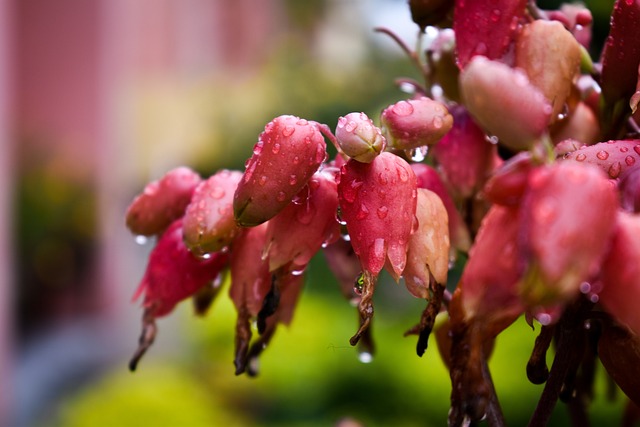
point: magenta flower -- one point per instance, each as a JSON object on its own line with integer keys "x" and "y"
{"x": 162, "y": 202}
{"x": 209, "y": 225}
{"x": 173, "y": 274}
{"x": 415, "y": 122}
{"x": 568, "y": 214}
{"x": 299, "y": 231}
{"x": 286, "y": 155}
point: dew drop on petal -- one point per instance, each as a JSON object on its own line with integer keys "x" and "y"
{"x": 403, "y": 174}
{"x": 262, "y": 180}
{"x": 141, "y": 240}
{"x": 403, "y": 108}
{"x": 363, "y": 212}
{"x": 382, "y": 212}
{"x": 281, "y": 197}
{"x": 624, "y": 149}
{"x": 614, "y": 170}
{"x": 218, "y": 193}
{"x": 351, "y": 126}
{"x": 629, "y": 160}
{"x": 276, "y": 148}
{"x": 602, "y": 155}
{"x": 288, "y": 131}
{"x": 544, "y": 319}
{"x": 581, "y": 157}
{"x": 293, "y": 180}
{"x": 437, "y": 122}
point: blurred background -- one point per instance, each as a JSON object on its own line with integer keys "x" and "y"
{"x": 98, "y": 97}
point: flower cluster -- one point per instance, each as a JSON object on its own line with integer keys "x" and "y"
{"x": 494, "y": 161}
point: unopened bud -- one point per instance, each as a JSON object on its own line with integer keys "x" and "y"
{"x": 359, "y": 138}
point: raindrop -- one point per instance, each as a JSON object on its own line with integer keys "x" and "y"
{"x": 492, "y": 139}
{"x": 302, "y": 122}
{"x": 365, "y": 357}
{"x": 581, "y": 157}
{"x": 293, "y": 180}
{"x": 602, "y": 155}
{"x": 262, "y": 180}
{"x": 257, "y": 149}
{"x": 225, "y": 250}
{"x": 288, "y": 131}
{"x": 276, "y": 148}
{"x": 298, "y": 271}
{"x": 363, "y": 212}
{"x": 281, "y": 197}
{"x": 544, "y": 319}
{"x": 403, "y": 108}
{"x": 351, "y": 126}
{"x": 419, "y": 154}
{"x": 437, "y": 122}
{"x": 296, "y": 160}
{"x": 403, "y": 175}
{"x": 495, "y": 15}
{"x": 629, "y": 160}
{"x": 141, "y": 240}
{"x": 205, "y": 256}
{"x": 624, "y": 149}
{"x": 358, "y": 284}
{"x": 614, "y": 170}
{"x": 346, "y": 237}
{"x": 218, "y": 193}
{"x": 382, "y": 212}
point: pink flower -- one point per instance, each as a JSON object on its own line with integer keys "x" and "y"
{"x": 286, "y": 155}
{"x": 209, "y": 225}
{"x": 162, "y": 202}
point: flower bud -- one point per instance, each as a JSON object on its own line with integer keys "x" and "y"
{"x": 428, "y": 178}
{"x": 173, "y": 273}
{"x": 614, "y": 158}
{"x": 503, "y": 101}
{"x": 162, "y": 202}
{"x": 550, "y": 56}
{"x": 359, "y": 138}
{"x": 428, "y": 252}
{"x": 464, "y": 155}
{"x": 581, "y": 125}
{"x": 508, "y": 184}
{"x": 415, "y": 122}
{"x": 286, "y": 155}
{"x": 299, "y": 231}
{"x": 209, "y": 224}
{"x": 485, "y": 28}
{"x": 378, "y": 202}
{"x": 568, "y": 215}
{"x": 621, "y": 272}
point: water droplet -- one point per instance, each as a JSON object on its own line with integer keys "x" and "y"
{"x": 614, "y": 170}
{"x": 495, "y": 15}
{"x": 437, "y": 122}
{"x": 403, "y": 174}
{"x": 403, "y": 108}
{"x": 296, "y": 160}
{"x": 218, "y": 193}
{"x": 281, "y": 197}
{"x": 293, "y": 180}
{"x": 585, "y": 287}
{"x": 363, "y": 212}
{"x": 205, "y": 256}
{"x": 302, "y": 122}
{"x": 629, "y": 160}
{"x": 602, "y": 155}
{"x": 365, "y": 357}
{"x": 225, "y": 250}
{"x": 298, "y": 271}
{"x": 581, "y": 157}
{"x": 377, "y": 250}
{"x": 257, "y": 149}
{"x": 544, "y": 319}
{"x": 382, "y": 212}
{"x": 624, "y": 149}
{"x": 341, "y": 122}
{"x": 419, "y": 154}
{"x": 351, "y": 126}
{"x": 288, "y": 131}
{"x": 492, "y": 139}
{"x": 321, "y": 154}
{"x": 141, "y": 240}
{"x": 276, "y": 148}
{"x": 346, "y": 237}
{"x": 262, "y": 180}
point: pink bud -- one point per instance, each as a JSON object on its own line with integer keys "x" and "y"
{"x": 508, "y": 184}
{"x": 504, "y": 102}
{"x": 298, "y": 232}
{"x": 488, "y": 285}
{"x": 485, "y": 27}
{"x": 621, "y": 272}
{"x": 568, "y": 215}
{"x": 428, "y": 253}
{"x": 173, "y": 273}
{"x": 464, "y": 155}
{"x": 428, "y": 178}
{"x": 550, "y": 56}
{"x": 621, "y": 54}
{"x": 614, "y": 158}
{"x": 378, "y": 202}
{"x": 415, "y": 122}
{"x": 250, "y": 277}
{"x": 286, "y": 155}
{"x": 162, "y": 202}
{"x": 359, "y": 138}
{"x": 209, "y": 225}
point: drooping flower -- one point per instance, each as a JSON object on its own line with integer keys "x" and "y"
{"x": 162, "y": 202}
{"x": 209, "y": 225}
{"x": 286, "y": 155}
